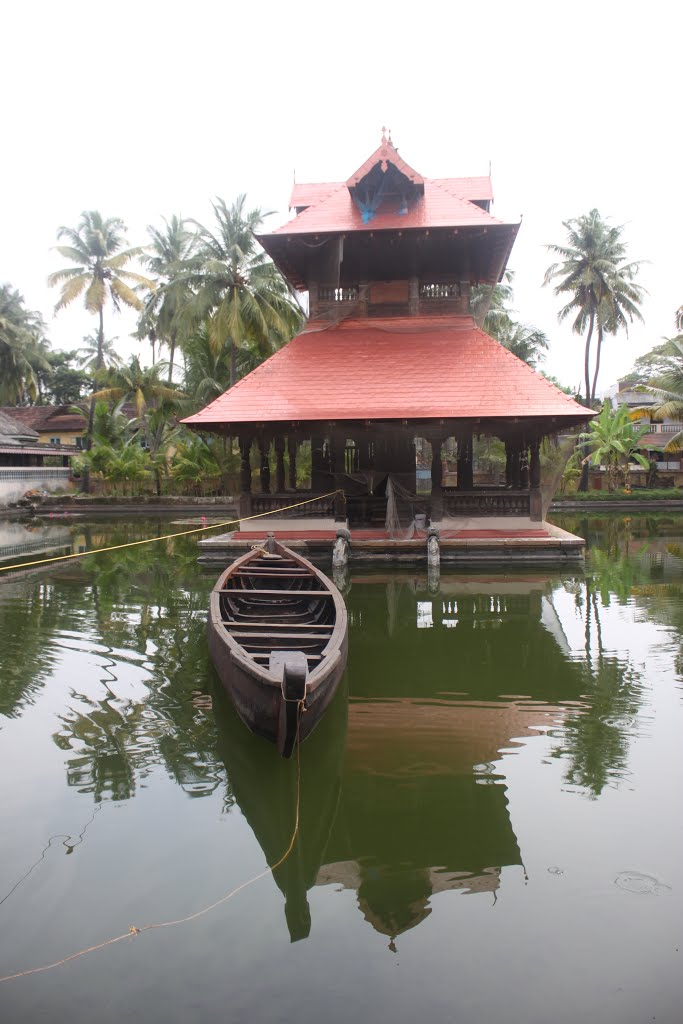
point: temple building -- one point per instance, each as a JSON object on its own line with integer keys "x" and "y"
{"x": 391, "y": 373}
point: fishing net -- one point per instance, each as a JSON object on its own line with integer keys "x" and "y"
{"x": 555, "y": 454}
{"x": 402, "y": 509}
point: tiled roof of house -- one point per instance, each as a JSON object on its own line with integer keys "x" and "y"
{"x": 413, "y": 368}
{"x": 47, "y": 417}
{"x": 13, "y": 430}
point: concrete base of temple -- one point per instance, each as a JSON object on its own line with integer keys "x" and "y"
{"x": 483, "y": 541}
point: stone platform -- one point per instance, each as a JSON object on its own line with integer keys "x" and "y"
{"x": 472, "y": 541}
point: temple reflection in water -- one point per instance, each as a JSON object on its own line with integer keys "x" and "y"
{"x": 400, "y": 799}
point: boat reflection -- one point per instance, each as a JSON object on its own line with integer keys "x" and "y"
{"x": 265, "y": 788}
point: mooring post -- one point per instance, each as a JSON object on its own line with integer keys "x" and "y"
{"x": 340, "y": 551}
{"x": 433, "y": 559}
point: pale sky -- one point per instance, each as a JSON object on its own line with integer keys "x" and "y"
{"x": 144, "y": 109}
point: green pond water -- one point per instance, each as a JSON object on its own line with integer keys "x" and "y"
{"x": 490, "y": 831}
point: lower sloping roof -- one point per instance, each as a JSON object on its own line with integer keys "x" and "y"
{"x": 13, "y": 431}
{"x": 417, "y": 368}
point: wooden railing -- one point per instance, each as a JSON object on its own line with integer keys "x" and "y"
{"x": 328, "y": 293}
{"x": 486, "y": 503}
{"x": 316, "y": 509}
{"x": 439, "y": 290}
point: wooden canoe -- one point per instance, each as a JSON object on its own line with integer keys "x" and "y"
{"x": 278, "y": 634}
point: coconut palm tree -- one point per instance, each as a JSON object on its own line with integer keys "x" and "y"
{"x": 96, "y": 250}
{"x": 171, "y": 248}
{"x": 527, "y": 343}
{"x": 93, "y": 352}
{"x": 236, "y": 289}
{"x": 619, "y": 307}
{"x": 139, "y": 386}
{"x": 23, "y": 348}
{"x": 600, "y": 287}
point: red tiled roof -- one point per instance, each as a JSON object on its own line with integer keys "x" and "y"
{"x": 440, "y": 206}
{"x": 307, "y": 195}
{"x": 472, "y": 189}
{"x": 410, "y": 368}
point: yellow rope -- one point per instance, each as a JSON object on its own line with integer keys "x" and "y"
{"x": 133, "y": 930}
{"x": 167, "y": 536}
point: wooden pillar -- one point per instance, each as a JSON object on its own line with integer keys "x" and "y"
{"x": 291, "y": 452}
{"x": 524, "y": 466}
{"x": 319, "y": 469}
{"x": 414, "y": 296}
{"x": 508, "y": 463}
{"x": 337, "y": 445}
{"x": 437, "y": 478}
{"x": 313, "y": 299}
{"x": 465, "y": 467}
{"x": 535, "y": 498}
{"x": 279, "y": 463}
{"x": 264, "y": 446}
{"x": 245, "y": 504}
{"x": 245, "y": 463}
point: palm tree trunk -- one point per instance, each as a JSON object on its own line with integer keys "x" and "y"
{"x": 585, "y": 466}
{"x": 233, "y": 364}
{"x": 586, "y": 366}
{"x": 597, "y": 364}
{"x": 172, "y": 344}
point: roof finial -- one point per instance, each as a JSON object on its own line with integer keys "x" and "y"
{"x": 389, "y": 138}
{"x": 384, "y": 136}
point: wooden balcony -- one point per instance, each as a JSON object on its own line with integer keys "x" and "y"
{"x": 413, "y": 297}
{"x": 493, "y": 502}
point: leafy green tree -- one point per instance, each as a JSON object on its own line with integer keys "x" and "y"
{"x": 600, "y": 287}
{"x": 23, "y": 349}
{"x": 613, "y": 440}
{"x": 195, "y": 463}
{"x": 660, "y": 360}
{"x": 167, "y": 256}
{"x": 667, "y": 388}
{"x": 236, "y": 289}
{"x": 62, "y": 383}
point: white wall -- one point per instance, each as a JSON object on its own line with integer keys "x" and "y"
{"x": 16, "y": 480}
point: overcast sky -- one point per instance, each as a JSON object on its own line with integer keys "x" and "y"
{"x": 144, "y": 109}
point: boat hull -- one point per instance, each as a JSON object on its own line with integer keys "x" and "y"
{"x": 256, "y": 692}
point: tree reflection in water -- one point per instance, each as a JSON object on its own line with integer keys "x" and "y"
{"x": 402, "y": 801}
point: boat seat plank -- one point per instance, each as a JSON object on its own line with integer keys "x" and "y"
{"x": 272, "y": 635}
{"x": 234, "y": 592}
{"x": 238, "y": 629}
{"x": 287, "y": 577}
{"x": 277, "y": 625}
{"x": 266, "y": 657}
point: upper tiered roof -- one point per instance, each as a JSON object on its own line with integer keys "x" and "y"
{"x": 387, "y": 197}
